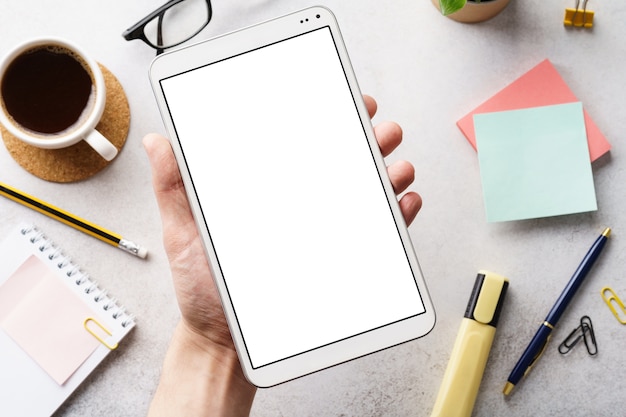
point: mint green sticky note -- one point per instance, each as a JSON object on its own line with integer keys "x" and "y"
{"x": 534, "y": 162}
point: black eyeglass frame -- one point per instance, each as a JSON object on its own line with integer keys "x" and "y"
{"x": 136, "y": 31}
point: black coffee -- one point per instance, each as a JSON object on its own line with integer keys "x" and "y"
{"x": 46, "y": 89}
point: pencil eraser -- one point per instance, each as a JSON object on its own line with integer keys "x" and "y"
{"x": 133, "y": 248}
{"x": 142, "y": 252}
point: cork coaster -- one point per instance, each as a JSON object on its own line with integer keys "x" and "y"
{"x": 78, "y": 161}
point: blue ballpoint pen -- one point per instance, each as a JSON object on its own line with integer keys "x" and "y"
{"x": 540, "y": 340}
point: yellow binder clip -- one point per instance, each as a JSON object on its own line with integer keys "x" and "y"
{"x": 580, "y": 18}
{"x": 613, "y": 300}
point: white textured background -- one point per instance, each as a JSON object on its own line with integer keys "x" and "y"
{"x": 426, "y": 72}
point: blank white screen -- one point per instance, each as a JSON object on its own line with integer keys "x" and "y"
{"x": 294, "y": 205}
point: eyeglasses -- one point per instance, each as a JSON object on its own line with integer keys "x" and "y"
{"x": 174, "y": 23}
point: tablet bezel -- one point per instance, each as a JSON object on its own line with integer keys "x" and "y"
{"x": 234, "y": 43}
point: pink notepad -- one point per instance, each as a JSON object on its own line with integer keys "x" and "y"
{"x": 56, "y": 324}
{"x": 541, "y": 86}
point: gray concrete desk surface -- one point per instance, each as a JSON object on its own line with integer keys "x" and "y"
{"x": 426, "y": 72}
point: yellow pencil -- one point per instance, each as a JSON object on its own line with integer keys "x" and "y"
{"x": 72, "y": 220}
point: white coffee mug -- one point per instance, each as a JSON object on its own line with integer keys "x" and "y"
{"x": 84, "y": 128}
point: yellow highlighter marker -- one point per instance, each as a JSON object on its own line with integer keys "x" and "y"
{"x": 461, "y": 380}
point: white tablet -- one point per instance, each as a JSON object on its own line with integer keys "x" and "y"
{"x": 303, "y": 232}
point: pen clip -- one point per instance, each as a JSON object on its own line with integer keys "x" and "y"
{"x": 543, "y": 349}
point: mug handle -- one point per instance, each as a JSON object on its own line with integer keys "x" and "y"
{"x": 101, "y": 145}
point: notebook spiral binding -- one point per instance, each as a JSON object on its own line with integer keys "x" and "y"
{"x": 82, "y": 280}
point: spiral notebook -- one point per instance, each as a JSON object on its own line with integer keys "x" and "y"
{"x": 56, "y": 324}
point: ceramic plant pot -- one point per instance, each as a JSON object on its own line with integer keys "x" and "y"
{"x": 474, "y": 12}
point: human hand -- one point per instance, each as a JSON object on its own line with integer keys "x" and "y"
{"x": 201, "y": 310}
{"x": 401, "y": 173}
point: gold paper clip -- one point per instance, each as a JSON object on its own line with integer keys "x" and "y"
{"x": 577, "y": 17}
{"x": 583, "y": 331}
{"x": 94, "y": 334}
{"x": 611, "y": 301}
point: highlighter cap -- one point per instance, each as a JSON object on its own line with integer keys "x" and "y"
{"x": 487, "y": 299}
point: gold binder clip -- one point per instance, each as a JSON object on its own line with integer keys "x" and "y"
{"x": 94, "y": 334}
{"x": 580, "y": 18}
{"x": 613, "y": 300}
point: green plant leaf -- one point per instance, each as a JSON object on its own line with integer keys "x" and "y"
{"x": 451, "y": 6}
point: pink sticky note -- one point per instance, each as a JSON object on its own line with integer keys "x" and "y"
{"x": 45, "y": 318}
{"x": 541, "y": 86}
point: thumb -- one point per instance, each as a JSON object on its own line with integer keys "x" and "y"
{"x": 165, "y": 174}
{"x": 168, "y": 187}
